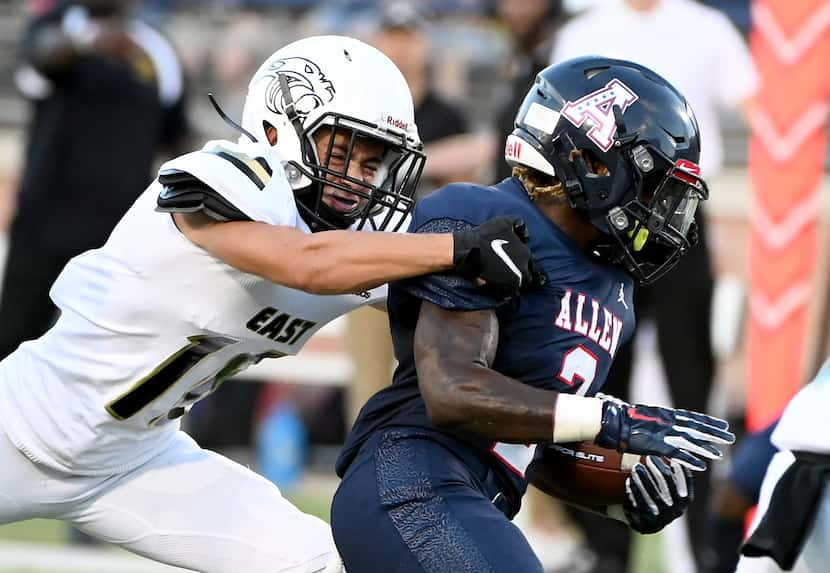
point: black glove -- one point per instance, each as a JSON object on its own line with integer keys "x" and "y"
{"x": 681, "y": 435}
{"x": 496, "y": 252}
{"x": 657, "y": 494}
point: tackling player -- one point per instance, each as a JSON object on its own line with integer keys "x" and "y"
{"x": 605, "y": 176}
{"x": 173, "y": 305}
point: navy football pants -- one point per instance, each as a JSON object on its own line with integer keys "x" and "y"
{"x": 407, "y": 504}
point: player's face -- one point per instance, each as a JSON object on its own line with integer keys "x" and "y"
{"x": 363, "y": 164}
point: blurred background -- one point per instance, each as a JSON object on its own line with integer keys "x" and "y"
{"x": 468, "y": 63}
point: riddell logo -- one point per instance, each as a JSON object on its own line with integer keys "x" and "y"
{"x": 398, "y": 123}
{"x": 513, "y": 149}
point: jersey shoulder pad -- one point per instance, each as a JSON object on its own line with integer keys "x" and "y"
{"x": 183, "y": 193}
{"x": 229, "y": 181}
{"x": 466, "y": 202}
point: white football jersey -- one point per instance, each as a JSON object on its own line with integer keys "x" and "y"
{"x": 805, "y": 424}
{"x": 150, "y": 323}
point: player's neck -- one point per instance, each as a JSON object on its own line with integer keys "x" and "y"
{"x": 570, "y": 222}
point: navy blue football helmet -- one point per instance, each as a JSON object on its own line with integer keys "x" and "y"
{"x": 593, "y": 111}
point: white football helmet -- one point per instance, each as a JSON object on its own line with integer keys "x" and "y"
{"x": 345, "y": 86}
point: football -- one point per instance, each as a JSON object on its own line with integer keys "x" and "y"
{"x": 583, "y": 473}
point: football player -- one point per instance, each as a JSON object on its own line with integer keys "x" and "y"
{"x": 215, "y": 267}
{"x": 605, "y": 176}
{"x": 791, "y": 529}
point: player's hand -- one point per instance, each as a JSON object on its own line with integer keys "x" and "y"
{"x": 496, "y": 254}
{"x": 657, "y": 494}
{"x": 682, "y": 435}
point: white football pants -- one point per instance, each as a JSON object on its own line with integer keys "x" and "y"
{"x": 186, "y": 507}
{"x": 816, "y": 553}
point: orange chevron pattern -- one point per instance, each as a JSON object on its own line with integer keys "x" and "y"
{"x": 790, "y": 42}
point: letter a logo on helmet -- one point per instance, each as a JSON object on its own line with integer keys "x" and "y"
{"x": 597, "y": 108}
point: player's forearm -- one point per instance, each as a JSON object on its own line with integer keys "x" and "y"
{"x": 329, "y": 262}
{"x": 497, "y": 407}
{"x": 484, "y": 402}
{"x": 454, "y": 352}
{"x": 348, "y": 261}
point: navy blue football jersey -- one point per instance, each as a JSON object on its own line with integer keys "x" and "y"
{"x": 562, "y": 336}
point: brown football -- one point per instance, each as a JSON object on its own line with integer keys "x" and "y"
{"x": 584, "y": 473}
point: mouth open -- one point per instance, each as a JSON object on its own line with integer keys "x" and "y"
{"x": 342, "y": 204}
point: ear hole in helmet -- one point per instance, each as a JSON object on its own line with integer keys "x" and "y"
{"x": 593, "y": 164}
{"x": 271, "y": 133}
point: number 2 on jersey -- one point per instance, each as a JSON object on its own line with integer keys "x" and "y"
{"x": 579, "y": 366}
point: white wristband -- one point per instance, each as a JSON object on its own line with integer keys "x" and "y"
{"x": 576, "y": 418}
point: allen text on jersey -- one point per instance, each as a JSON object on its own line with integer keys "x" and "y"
{"x": 597, "y": 323}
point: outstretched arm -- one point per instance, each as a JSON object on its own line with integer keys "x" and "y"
{"x": 329, "y": 262}
{"x": 336, "y": 262}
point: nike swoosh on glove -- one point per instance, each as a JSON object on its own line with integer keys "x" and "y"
{"x": 496, "y": 253}
{"x": 688, "y": 437}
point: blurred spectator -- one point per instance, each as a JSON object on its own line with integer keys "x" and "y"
{"x": 712, "y": 74}
{"x": 531, "y": 25}
{"x": 401, "y": 35}
{"x": 107, "y": 94}
{"x": 239, "y": 55}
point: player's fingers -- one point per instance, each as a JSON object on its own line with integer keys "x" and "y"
{"x": 690, "y": 484}
{"x": 536, "y": 276}
{"x": 662, "y": 477}
{"x": 520, "y": 229}
{"x": 712, "y": 421}
{"x": 681, "y": 483}
{"x": 702, "y": 417}
{"x": 702, "y": 432}
{"x": 644, "y": 490}
{"x": 686, "y": 459}
{"x": 630, "y": 493}
{"x": 695, "y": 446}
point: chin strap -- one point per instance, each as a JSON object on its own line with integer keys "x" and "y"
{"x": 288, "y": 106}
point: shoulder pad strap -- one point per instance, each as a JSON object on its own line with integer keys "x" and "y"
{"x": 183, "y": 193}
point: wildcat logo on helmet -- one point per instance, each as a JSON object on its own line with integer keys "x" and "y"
{"x": 307, "y": 84}
{"x": 597, "y": 108}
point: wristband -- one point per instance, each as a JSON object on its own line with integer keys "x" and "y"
{"x": 576, "y": 418}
